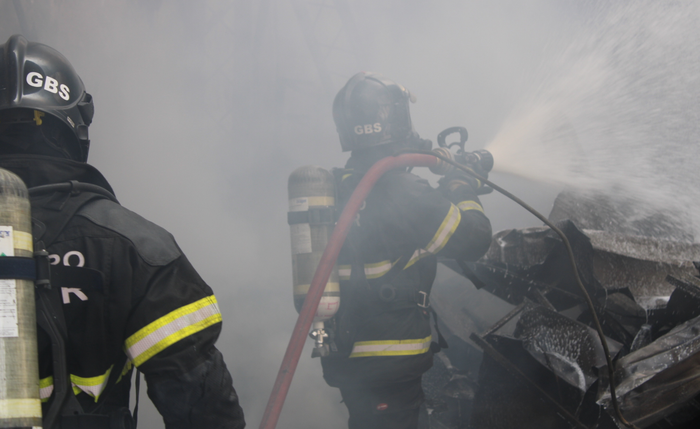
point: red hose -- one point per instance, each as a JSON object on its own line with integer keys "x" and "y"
{"x": 323, "y": 272}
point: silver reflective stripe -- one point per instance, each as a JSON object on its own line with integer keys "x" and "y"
{"x": 391, "y": 347}
{"x": 344, "y": 272}
{"x": 45, "y": 388}
{"x": 448, "y": 227}
{"x": 372, "y": 271}
{"x": 441, "y": 237}
{"x": 171, "y": 328}
{"x": 378, "y": 269}
{"x": 93, "y": 386}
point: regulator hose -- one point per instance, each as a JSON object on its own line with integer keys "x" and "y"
{"x": 323, "y": 271}
{"x": 569, "y": 251}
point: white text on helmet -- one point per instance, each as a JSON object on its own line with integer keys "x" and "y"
{"x": 50, "y": 84}
{"x": 368, "y": 128}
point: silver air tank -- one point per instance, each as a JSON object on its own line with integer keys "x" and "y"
{"x": 20, "y": 405}
{"x": 311, "y": 219}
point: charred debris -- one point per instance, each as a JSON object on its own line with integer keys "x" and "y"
{"x": 542, "y": 364}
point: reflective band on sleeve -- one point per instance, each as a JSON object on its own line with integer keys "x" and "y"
{"x": 20, "y": 408}
{"x": 448, "y": 227}
{"x": 22, "y": 240}
{"x": 470, "y": 205}
{"x": 45, "y": 388}
{"x": 372, "y": 271}
{"x": 171, "y": 328}
{"x": 93, "y": 386}
{"x": 391, "y": 347}
{"x": 441, "y": 237}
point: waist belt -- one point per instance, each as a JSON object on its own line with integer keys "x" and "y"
{"x": 390, "y": 293}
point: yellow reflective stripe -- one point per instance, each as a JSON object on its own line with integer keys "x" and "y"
{"x": 417, "y": 255}
{"x": 447, "y": 228}
{"x": 304, "y": 289}
{"x": 22, "y": 240}
{"x": 470, "y": 205}
{"x": 45, "y": 388}
{"x": 378, "y": 269}
{"x": 391, "y": 347}
{"x": 93, "y": 386}
{"x": 344, "y": 272}
{"x": 19, "y": 408}
{"x": 372, "y": 271}
{"x": 441, "y": 237}
{"x": 171, "y": 328}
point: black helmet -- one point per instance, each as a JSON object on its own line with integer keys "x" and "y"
{"x": 39, "y": 87}
{"x": 371, "y": 110}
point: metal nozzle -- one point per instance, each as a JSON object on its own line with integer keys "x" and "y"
{"x": 481, "y": 159}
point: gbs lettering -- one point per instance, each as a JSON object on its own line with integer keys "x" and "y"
{"x": 50, "y": 84}
{"x": 368, "y": 128}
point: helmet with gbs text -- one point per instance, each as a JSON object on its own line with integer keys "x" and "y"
{"x": 44, "y": 108}
{"x": 371, "y": 110}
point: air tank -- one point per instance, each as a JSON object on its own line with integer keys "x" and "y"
{"x": 20, "y": 406}
{"x": 311, "y": 220}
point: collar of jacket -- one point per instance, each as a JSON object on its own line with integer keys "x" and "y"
{"x": 38, "y": 170}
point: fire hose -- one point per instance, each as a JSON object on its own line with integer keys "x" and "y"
{"x": 330, "y": 255}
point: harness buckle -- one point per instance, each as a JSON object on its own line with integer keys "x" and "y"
{"x": 426, "y": 302}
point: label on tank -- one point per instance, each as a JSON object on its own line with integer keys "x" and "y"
{"x": 298, "y": 204}
{"x": 8, "y": 308}
{"x": 7, "y": 247}
{"x": 301, "y": 238}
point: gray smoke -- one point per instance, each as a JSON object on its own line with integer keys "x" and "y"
{"x": 204, "y": 108}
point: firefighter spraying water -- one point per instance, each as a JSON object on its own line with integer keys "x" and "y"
{"x": 378, "y": 395}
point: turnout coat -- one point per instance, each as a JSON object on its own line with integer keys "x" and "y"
{"x": 130, "y": 298}
{"x": 387, "y": 267}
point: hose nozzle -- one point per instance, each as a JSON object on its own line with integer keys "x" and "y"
{"x": 481, "y": 160}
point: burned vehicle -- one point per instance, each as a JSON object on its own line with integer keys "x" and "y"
{"x": 542, "y": 365}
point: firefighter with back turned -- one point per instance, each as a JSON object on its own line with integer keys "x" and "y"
{"x": 122, "y": 294}
{"x": 389, "y": 260}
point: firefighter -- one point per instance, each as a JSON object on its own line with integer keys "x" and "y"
{"x": 388, "y": 263}
{"x": 124, "y": 294}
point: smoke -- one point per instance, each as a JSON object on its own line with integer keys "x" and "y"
{"x": 204, "y": 108}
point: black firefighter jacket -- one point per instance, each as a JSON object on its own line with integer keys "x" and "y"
{"x": 387, "y": 267}
{"x": 149, "y": 309}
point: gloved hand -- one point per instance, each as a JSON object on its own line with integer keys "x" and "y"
{"x": 458, "y": 177}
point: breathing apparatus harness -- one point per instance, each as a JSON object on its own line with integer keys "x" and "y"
{"x": 50, "y": 317}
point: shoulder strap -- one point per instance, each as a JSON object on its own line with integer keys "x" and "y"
{"x": 61, "y": 201}
{"x": 50, "y": 318}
